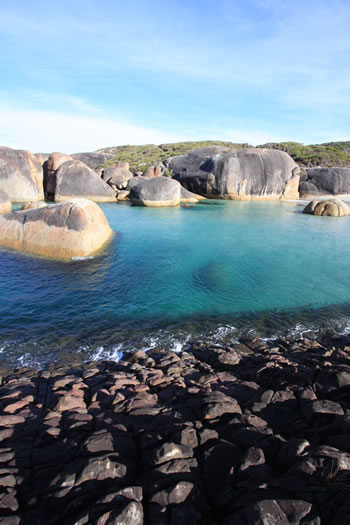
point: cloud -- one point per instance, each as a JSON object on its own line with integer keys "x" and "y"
{"x": 47, "y": 131}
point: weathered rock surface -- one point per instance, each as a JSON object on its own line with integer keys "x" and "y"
{"x": 76, "y": 228}
{"x": 33, "y": 205}
{"x": 5, "y": 203}
{"x": 219, "y": 172}
{"x": 21, "y": 175}
{"x": 154, "y": 171}
{"x": 42, "y": 157}
{"x": 156, "y": 191}
{"x": 93, "y": 160}
{"x": 117, "y": 177}
{"x": 325, "y": 181}
{"x": 74, "y": 179}
{"x": 190, "y": 437}
{"x": 54, "y": 161}
{"x": 188, "y": 196}
{"x": 329, "y": 207}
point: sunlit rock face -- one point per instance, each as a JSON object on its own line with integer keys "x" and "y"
{"x": 21, "y": 175}
{"x": 255, "y": 173}
{"x": 74, "y": 179}
{"x": 76, "y": 228}
{"x": 156, "y": 191}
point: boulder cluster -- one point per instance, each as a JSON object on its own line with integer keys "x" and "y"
{"x": 230, "y": 434}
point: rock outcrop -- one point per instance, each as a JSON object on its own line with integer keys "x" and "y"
{"x": 117, "y": 177}
{"x": 234, "y": 434}
{"x": 157, "y": 170}
{"x": 54, "y": 161}
{"x": 76, "y": 228}
{"x": 218, "y": 172}
{"x": 156, "y": 191}
{"x": 325, "y": 181}
{"x": 74, "y": 179}
{"x": 329, "y": 207}
{"x": 5, "y": 203}
{"x": 93, "y": 160}
{"x": 21, "y": 175}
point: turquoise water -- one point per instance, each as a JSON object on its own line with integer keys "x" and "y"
{"x": 219, "y": 269}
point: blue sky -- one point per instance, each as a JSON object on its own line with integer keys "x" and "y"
{"x": 80, "y": 74}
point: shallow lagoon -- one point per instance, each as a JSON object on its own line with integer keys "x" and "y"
{"x": 219, "y": 269}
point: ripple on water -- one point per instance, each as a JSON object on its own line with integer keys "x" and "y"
{"x": 171, "y": 275}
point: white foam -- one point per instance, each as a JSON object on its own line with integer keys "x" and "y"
{"x": 82, "y": 258}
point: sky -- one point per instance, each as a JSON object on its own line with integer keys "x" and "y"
{"x": 80, "y": 75}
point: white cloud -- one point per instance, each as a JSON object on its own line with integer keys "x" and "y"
{"x": 48, "y": 131}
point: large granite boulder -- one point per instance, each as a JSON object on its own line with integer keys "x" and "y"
{"x": 329, "y": 207}
{"x": 93, "y": 160}
{"x": 74, "y": 179}
{"x": 42, "y": 157}
{"x": 54, "y": 161}
{"x": 156, "y": 191}
{"x": 21, "y": 175}
{"x": 226, "y": 173}
{"x": 117, "y": 176}
{"x": 325, "y": 181}
{"x": 5, "y": 203}
{"x": 76, "y": 228}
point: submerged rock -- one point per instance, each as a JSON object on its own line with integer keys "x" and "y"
{"x": 76, "y": 228}
{"x": 21, "y": 175}
{"x": 219, "y": 172}
{"x": 156, "y": 191}
{"x": 74, "y": 179}
{"x": 5, "y": 203}
{"x": 329, "y": 207}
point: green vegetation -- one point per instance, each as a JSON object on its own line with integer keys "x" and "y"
{"x": 141, "y": 157}
{"x": 328, "y": 154}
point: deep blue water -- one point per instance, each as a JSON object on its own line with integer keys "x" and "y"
{"x": 219, "y": 269}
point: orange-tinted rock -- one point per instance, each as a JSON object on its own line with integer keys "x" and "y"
{"x": 153, "y": 171}
{"x": 76, "y": 228}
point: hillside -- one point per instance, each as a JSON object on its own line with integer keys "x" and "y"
{"x": 141, "y": 157}
{"x": 327, "y": 154}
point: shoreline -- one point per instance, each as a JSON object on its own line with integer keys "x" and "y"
{"x": 218, "y": 434}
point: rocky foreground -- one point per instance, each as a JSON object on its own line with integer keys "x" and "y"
{"x": 254, "y": 433}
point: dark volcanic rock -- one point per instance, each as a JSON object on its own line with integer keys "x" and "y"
{"x": 218, "y": 172}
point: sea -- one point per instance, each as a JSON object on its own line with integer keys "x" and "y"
{"x": 218, "y": 270}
